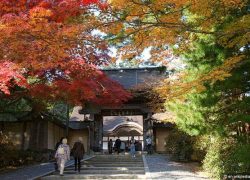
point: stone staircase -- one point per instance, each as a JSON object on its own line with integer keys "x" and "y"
{"x": 105, "y": 167}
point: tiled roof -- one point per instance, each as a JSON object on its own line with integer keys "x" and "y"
{"x": 110, "y": 122}
{"x": 130, "y": 78}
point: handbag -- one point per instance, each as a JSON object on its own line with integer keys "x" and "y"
{"x": 60, "y": 150}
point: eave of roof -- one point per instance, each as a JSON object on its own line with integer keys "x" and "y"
{"x": 78, "y": 125}
{"x": 132, "y": 69}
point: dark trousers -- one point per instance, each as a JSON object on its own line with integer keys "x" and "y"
{"x": 56, "y": 166}
{"x": 118, "y": 150}
{"x": 149, "y": 149}
{"x": 77, "y": 164}
{"x": 110, "y": 150}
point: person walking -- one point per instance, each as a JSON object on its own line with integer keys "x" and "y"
{"x": 132, "y": 147}
{"x": 78, "y": 152}
{"x": 149, "y": 145}
{"x": 122, "y": 147}
{"x": 56, "y": 147}
{"x": 62, "y": 155}
{"x": 118, "y": 145}
{"x": 110, "y": 146}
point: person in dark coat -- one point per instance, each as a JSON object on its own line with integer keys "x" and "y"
{"x": 110, "y": 146}
{"x": 118, "y": 145}
{"x": 78, "y": 152}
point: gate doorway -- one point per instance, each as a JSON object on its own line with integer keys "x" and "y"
{"x": 123, "y": 127}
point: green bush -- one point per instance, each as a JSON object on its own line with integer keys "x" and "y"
{"x": 226, "y": 156}
{"x": 179, "y": 145}
{"x": 241, "y": 156}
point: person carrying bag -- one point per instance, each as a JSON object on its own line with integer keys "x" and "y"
{"x": 62, "y": 155}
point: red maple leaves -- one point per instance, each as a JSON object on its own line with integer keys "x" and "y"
{"x": 79, "y": 82}
{"x": 10, "y": 76}
{"x": 40, "y": 43}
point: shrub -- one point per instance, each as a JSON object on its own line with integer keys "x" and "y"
{"x": 179, "y": 145}
{"x": 226, "y": 156}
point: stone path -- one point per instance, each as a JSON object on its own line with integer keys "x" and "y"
{"x": 32, "y": 172}
{"x": 160, "y": 167}
{"x": 157, "y": 167}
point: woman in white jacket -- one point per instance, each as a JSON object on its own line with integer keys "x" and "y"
{"x": 62, "y": 155}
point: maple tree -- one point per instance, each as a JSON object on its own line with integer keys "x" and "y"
{"x": 48, "y": 49}
{"x": 165, "y": 25}
{"x": 210, "y": 95}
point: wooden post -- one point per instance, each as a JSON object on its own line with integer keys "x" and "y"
{"x": 88, "y": 140}
{"x": 67, "y": 122}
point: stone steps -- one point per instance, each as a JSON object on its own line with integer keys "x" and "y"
{"x": 106, "y": 172}
{"x": 115, "y": 160}
{"x": 113, "y": 165}
{"x": 105, "y": 167}
{"x": 118, "y": 159}
{"x": 97, "y": 176}
{"x": 108, "y": 168}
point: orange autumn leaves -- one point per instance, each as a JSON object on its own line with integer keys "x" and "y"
{"x": 161, "y": 23}
{"x": 44, "y": 37}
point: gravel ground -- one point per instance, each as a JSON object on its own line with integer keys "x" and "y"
{"x": 161, "y": 167}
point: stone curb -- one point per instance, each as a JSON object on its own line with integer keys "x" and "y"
{"x": 49, "y": 172}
